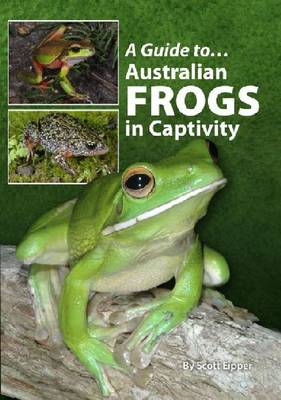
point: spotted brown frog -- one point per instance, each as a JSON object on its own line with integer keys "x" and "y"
{"x": 63, "y": 136}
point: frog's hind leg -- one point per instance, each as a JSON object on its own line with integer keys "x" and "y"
{"x": 216, "y": 270}
{"x": 216, "y": 273}
{"x": 45, "y": 282}
{"x": 35, "y": 78}
{"x": 55, "y": 34}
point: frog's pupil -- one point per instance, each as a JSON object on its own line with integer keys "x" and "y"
{"x": 75, "y": 49}
{"x": 90, "y": 146}
{"x": 137, "y": 181}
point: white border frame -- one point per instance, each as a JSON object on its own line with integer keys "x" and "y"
{"x": 50, "y": 111}
{"x": 63, "y": 104}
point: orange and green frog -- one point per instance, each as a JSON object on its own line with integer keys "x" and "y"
{"x": 55, "y": 52}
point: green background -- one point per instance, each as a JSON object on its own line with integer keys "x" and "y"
{"x": 243, "y": 221}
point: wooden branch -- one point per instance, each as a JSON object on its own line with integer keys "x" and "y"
{"x": 206, "y": 340}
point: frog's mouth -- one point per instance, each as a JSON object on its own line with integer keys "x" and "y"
{"x": 75, "y": 60}
{"x": 164, "y": 207}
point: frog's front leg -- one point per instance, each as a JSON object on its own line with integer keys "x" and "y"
{"x": 174, "y": 308}
{"x": 66, "y": 84}
{"x": 73, "y": 320}
{"x": 61, "y": 158}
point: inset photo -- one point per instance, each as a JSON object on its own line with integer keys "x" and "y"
{"x": 63, "y": 62}
{"x": 61, "y": 147}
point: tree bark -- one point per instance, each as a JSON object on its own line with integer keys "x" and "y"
{"x": 209, "y": 341}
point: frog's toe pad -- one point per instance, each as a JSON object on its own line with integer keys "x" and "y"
{"x": 135, "y": 364}
{"x": 122, "y": 355}
{"x": 141, "y": 377}
{"x": 216, "y": 299}
{"x": 241, "y": 316}
{"x": 139, "y": 356}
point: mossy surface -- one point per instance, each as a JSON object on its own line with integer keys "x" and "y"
{"x": 44, "y": 168}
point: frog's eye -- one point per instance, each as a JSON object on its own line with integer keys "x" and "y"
{"x": 138, "y": 182}
{"x": 91, "y": 146}
{"x": 75, "y": 49}
{"x": 213, "y": 151}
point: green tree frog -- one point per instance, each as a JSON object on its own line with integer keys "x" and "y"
{"x": 127, "y": 233}
{"x": 55, "y": 52}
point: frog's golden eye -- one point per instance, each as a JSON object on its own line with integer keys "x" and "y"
{"x": 138, "y": 182}
{"x": 213, "y": 151}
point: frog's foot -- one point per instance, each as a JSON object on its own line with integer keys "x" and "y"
{"x": 134, "y": 312}
{"x": 44, "y": 85}
{"x": 80, "y": 96}
{"x": 109, "y": 334}
{"x": 139, "y": 348}
{"x": 60, "y": 158}
{"x": 216, "y": 299}
{"x": 103, "y": 326}
{"x": 100, "y": 325}
{"x": 97, "y": 357}
{"x": 104, "y": 309}
{"x": 237, "y": 314}
{"x": 94, "y": 354}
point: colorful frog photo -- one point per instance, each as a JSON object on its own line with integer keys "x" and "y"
{"x": 57, "y": 146}
{"x": 68, "y": 62}
{"x": 127, "y": 232}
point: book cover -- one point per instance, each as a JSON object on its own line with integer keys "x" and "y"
{"x": 140, "y": 165}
